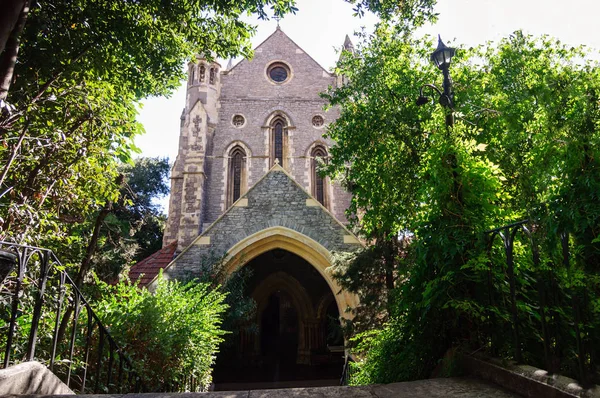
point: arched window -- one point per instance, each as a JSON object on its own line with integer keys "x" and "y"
{"x": 278, "y": 142}
{"x": 318, "y": 155}
{"x": 192, "y": 74}
{"x": 212, "y": 76}
{"x": 202, "y": 73}
{"x": 237, "y": 174}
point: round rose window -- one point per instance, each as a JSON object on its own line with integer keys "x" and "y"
{"x": 238, "y": 120}
{"x": 278, "y": 72}
{"x": 317, "y": 121}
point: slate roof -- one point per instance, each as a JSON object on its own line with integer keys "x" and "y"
{"x": 147, "y": 269}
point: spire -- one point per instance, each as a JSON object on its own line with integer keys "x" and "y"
{"x": 348, "y": 46}
{"x": 230, "y": 64}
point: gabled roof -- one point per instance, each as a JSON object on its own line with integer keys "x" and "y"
{"x": 242, "y": 218}
{"x": 278, "y": 30}
{"x": 276, "y": 168}
{"x": 147, "y": 269}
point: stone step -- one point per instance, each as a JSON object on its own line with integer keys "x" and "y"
{"x": 432, "y": 388}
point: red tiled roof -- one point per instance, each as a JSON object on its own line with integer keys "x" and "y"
{"x": 149, "y": 267}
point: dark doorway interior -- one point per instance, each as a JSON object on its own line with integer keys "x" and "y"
{"x": 295, "y": 338}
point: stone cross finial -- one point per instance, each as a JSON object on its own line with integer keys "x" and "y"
{"x": 276, "y": 161}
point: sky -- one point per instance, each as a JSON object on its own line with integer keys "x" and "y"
{"x": 320, "y": 26}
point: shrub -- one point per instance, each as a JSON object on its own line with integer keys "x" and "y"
{"x": 171, "y": 334}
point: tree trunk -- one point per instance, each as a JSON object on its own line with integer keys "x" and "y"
{"x": 8, "y": 58}
{"x": 86, "y": 264}
{"x": 9, "y": 15}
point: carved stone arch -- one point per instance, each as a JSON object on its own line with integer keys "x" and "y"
{"x": 298, "y": 294}
{"x": 283, "y": 282}
{"x": 319, "y": 187}
{"x": 276, "y": 129}
{"x": 295, "y": 242}
{"x": 314, "y": 144}
{"x": 275, "y": 112}
{"x": 192, "y": 74}
{"x": 324, "y": 303}
{"x": 239, "y": 143}
{"x": 201, "y": 72}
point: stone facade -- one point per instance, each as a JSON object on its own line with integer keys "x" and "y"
{"x": 245, "y": 193}
{"x": 211, "y": 128}
{"x": 275, "y": 201}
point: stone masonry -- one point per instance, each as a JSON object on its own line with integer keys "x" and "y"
{"x": 276, "y": 200}
{"x": 199, "y": 177}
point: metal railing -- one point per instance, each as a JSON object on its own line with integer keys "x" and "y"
{"x": 556, "y": 304}
{"x": 346, "y": 371}
{"x": 48, "y": 319}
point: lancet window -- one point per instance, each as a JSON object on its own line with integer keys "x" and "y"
{"x": 278, "y": 142}
{"x": 237, "y": 174}
{"x": 318, "y": 156}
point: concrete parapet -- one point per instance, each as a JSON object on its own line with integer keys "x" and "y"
{"x": 526, "y": 380}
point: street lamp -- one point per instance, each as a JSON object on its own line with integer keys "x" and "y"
{"x": 441, "y": 57}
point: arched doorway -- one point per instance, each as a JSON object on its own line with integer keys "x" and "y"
{"x": 288, "y": 342}
{"x": 292, "y": 241}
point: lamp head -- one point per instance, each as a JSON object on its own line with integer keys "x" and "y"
{"x": 442, "y": 56}
{"x": 422, "y": 100}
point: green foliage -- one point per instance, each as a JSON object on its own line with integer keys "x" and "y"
{"x": 524, "y": 145}
{"x": 171, "y": 334}
{"x": 82, "y": 69}
{"x": 371, "y": 273}
{"x": 406, "y": 14}
{"x": 134, "y": 228}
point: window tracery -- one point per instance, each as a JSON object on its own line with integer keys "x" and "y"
{"x": 212, "y": 76}
{"x": 202, "y": 73}
{"x": 317, "y": 121}
{"x": 238, "y": 121}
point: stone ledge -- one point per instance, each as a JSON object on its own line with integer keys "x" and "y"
{"x": 242, "y": 202}
{"x": 31, "y": 378}
{"x": 526, "y": 379}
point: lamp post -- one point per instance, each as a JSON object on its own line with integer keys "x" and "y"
{"x": 441, "y": 57}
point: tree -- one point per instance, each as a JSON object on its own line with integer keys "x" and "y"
{"x": 524, "y": 145}
{"x": 408, "y": 13}
{"x": 141, "y": 45}
{"x": 81, "y": 71}
{"x": 133, "y": 229}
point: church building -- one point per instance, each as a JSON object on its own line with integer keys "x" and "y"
{"x": 246, "y": 192}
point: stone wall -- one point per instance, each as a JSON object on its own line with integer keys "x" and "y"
{"x": 201, "y": 171}
{"x": 247, "y": 91}
{"x": 274, "y": 201}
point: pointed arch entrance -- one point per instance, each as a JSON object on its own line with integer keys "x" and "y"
{"x": 295, "y": 334}
{"x": 297, "y": 243}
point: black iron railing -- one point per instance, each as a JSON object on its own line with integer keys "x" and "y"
{"x": 558, "y": 305}
{"x": 49, "y": 320}
{"x": 346, "y": 371}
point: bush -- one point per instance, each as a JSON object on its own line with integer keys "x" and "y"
{"x": 170, "y": 334}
